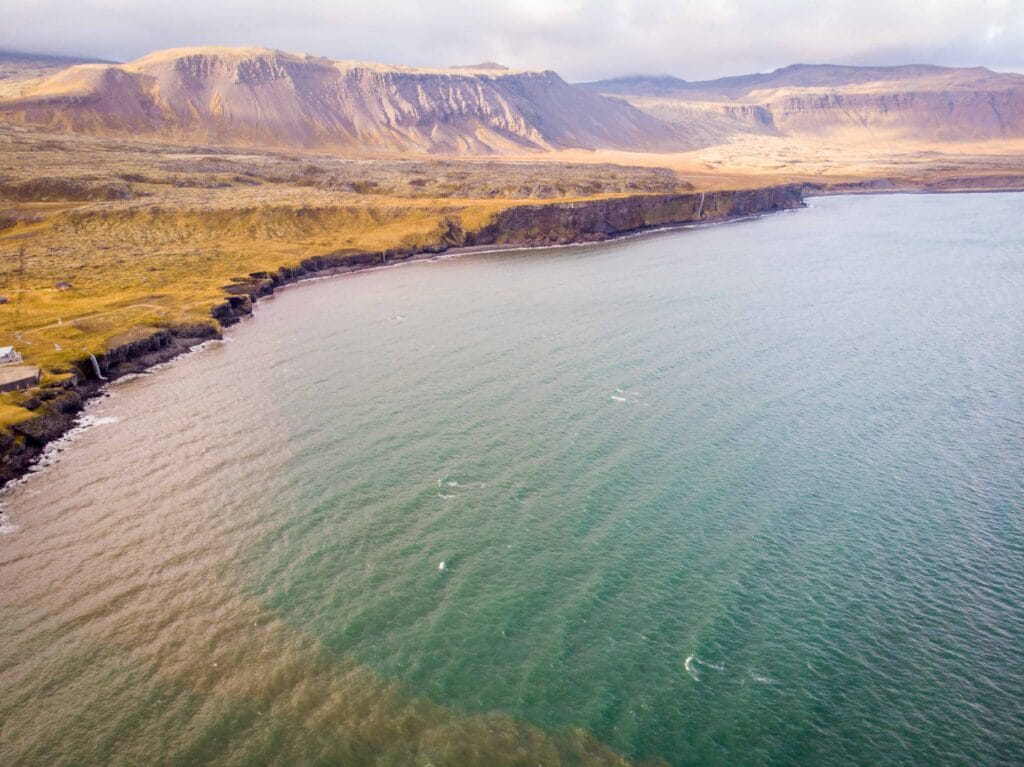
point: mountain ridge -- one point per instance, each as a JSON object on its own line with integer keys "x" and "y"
{"x": 791, "y": 75}
{"x": 269, "y": 97}
{"x": 253, "y": 96}
{"x": 914, "y": 102}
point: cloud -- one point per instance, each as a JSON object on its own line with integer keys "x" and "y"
{"x": 581, "y": 39}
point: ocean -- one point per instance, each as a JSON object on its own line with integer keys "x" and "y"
{"x": 750, "y": 493}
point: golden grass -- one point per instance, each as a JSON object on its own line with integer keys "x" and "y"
{"x": 153, "y": 267}
{"x": 11, "y": 413}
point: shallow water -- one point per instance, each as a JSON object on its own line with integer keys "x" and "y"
{"x": 746, "y": 494}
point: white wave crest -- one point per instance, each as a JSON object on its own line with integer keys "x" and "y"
{"x": 690, "y": 668}
{"x": 693, "y": 666}
{"x": 127, "y": 378}
{"x": 626, "y": 395}
{"x": 6, "y": 526}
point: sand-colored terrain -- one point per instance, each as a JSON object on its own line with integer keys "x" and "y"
{"x": 753, "y": 160}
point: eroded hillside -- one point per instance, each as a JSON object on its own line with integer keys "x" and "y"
{"x": 905, "y": 104}
{"x": 271, "y": 98}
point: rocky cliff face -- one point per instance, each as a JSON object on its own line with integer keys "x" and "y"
{"x": 596, "y": 220}
{"x": 912, "y": 115}
{"x": 257, "y": 96}
{"x": 912, "y": 103}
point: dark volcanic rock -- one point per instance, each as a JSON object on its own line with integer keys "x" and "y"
{"x": 595, "y": 220}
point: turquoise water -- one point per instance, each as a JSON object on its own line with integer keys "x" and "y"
{"x": 749, "y": 494}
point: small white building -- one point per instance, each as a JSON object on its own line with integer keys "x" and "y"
{"x": 8, "y": 355}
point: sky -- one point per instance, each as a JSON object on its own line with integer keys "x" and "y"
{"x": 580, "y": 39}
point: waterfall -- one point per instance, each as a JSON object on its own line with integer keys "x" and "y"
{"x": 701, "y": 208}
{"x": 96, "y": 368}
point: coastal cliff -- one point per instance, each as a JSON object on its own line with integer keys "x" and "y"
{"x": 529, "y": 226}
{"x": 593, "y": 221}
{"x": 56, "y": 406}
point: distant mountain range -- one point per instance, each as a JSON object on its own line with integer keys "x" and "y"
{"x": 255, "y": 96}
{"x": 918, "y": 103}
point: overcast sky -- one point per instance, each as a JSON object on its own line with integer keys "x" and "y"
{"x": 581, "y": 39}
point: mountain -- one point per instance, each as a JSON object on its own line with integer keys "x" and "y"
{"x": 915, "y": 103}
{"x": 262, "y": 97}
{"x": 17, "y": 68}
{"x": 271, "y": 98}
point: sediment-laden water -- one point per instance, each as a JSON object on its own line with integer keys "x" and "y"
{"x": 750, "y": 494}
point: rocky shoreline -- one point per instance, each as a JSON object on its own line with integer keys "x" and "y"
{"x": 537, "y": 225}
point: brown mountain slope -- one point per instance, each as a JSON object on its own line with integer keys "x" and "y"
{"x": 911, "y": 103}
{"x": 265, "y": 97}
{"x": 18, "y": 68}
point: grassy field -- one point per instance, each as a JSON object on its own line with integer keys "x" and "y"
{"x": 151, "y": 266}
